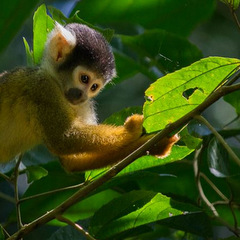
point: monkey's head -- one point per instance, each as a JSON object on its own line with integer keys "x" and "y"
{"x": 80, "y": 59}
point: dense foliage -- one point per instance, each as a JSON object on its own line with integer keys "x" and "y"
{"x": 191, "y": 194}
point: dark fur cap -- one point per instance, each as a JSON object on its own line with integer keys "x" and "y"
{"x": 91, "y": 50}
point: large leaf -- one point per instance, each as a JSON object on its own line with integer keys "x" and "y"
{"x": 13, "y": 14}
{"x": 145, "y": 162}
{"x": 164, "y": 50}
{"x": 174, "y": 16}
{"x": 42, "y": 25}
{"x": 176, "y": 94}
{"x": 136, "y": 209}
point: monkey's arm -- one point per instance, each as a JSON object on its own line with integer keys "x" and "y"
{"x": 98, "y": 158}
{"x": 87, "y": 147}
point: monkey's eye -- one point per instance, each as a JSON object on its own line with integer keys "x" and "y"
{"x": 94, "y": 87}
{"x": 85, "y": 78}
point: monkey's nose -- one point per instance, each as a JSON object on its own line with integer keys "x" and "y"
{"x": 74, "y": 95}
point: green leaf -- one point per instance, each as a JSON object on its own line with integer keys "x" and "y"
{"x": 13, "y": 15}
{"x": 176, "y": 94}
{"x": 190, "y": 141}
{"x": 164, "y": 50}
{"x": 42, "y": 25}
{"x": 177, "y": 153}
{"x": 126, "y": 14}
{"x": 87, "y": 207}
{"x": 135, "y": 209}
{"x": 29, "y": 53}
{"x": 145, "y": 162}
{"x": 233, "y": 99}
{"x": 35, "y": 173}
{"x": 120, "y": 117}
{"x": 128, "y": 67}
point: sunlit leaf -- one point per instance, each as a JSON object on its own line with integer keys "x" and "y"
{"x": 42, "y": 25}
{"x": 145, "y": 162}
{"x": 177, "y": 153}
{"x": 137, "y": 209}
{"x": 176, "y": 94}
{"x": 29, "y": 53}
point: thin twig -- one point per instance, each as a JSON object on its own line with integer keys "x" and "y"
{"x": 234, "y": 216}
{"x": 76, "y": 226}
{"x": 199, "y": 186}
{"x": 214, "y": 187}
{"x": 7, "y": 198}
{"x": 5, "y": 177}
{"x": 15, "y": 182}
{"x": 219, "y": 137}
{"x": 52, "y": 192}
{"x": 233, "y": 12}
{"x": 234, "y": 77}
{"x": 5, "y": 232}
{"x": 82, "y": 193}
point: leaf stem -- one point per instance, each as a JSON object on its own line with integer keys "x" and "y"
{"x": 219, "y": 137}
{"x": 213, "y": 186}
{"x": 198, "y": 182}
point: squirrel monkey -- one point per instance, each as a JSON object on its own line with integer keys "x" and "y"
{"x": 51, "y": 104}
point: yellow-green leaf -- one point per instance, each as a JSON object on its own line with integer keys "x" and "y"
{"x": 176, "y": 94}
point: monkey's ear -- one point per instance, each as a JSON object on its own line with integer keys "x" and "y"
{"x": 60, "y": 43}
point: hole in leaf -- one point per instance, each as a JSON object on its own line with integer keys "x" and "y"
{"x": 189, "y": 92}
{"x": 149, "y": 98}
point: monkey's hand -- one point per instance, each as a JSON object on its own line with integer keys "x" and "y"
{"x": 162, "y": 149}
{"x": 134, "y": 125}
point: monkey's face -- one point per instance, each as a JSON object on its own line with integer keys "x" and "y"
{"x": 85, "y": 85}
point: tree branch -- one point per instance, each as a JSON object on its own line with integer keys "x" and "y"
{"x": 82, "y": 193}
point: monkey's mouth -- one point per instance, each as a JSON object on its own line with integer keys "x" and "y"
{"x": 75, "y": 96}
